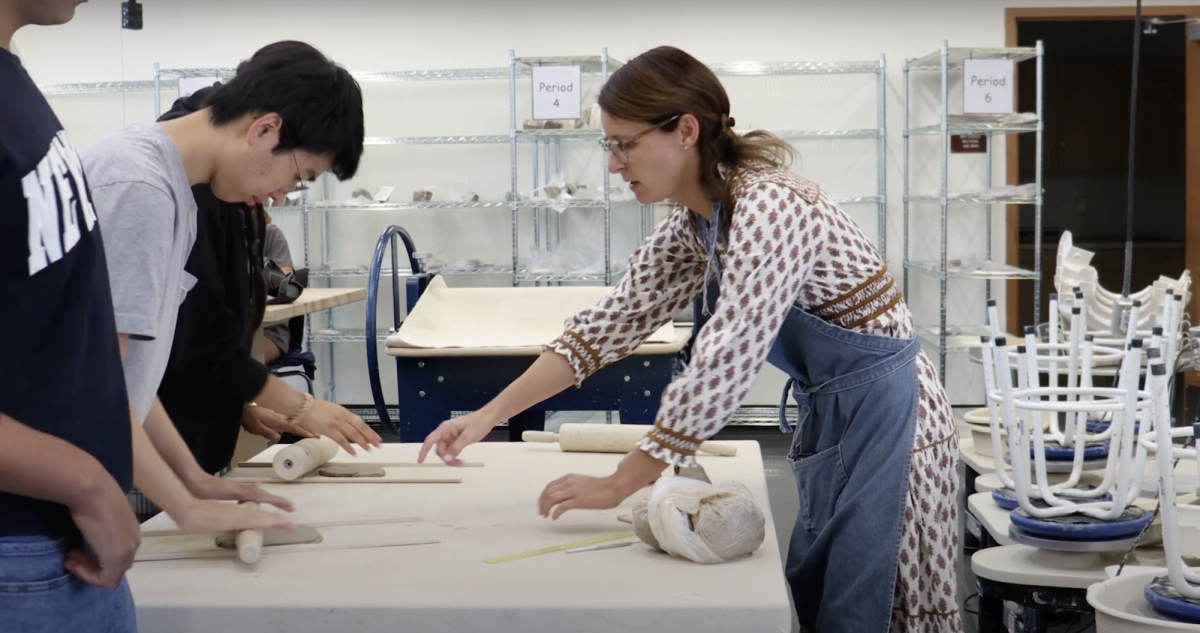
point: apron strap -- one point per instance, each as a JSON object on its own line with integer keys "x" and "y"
{"x": 801, "y": 398}
{"x": 784, "y": 426}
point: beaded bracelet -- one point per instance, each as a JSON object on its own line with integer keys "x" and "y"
{"x": 304, "y": 408}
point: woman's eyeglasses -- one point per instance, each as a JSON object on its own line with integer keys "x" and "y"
{"x": 621, "y": 149}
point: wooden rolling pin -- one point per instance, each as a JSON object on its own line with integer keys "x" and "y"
{"x": 608, "y": 438}
{"x": 301, "y": 458}
{"x": 250, "y": 542}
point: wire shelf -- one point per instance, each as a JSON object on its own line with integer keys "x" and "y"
{"x": 825, "y": 134}
{"x": 859, "y": 200}
{"x": 993, "y": 271}
{"x": 449, "y": 74}
{"x": 370, "y": 76}
{"x": 751, "y": 69}
{"x": 401, "y": 206}
{"x": 180, "y": 73}
{"x": 956, "y": 57}
{"x": 572, "y": 204}
{"x": 566, "y": 135}
{"x": 964, "y": 200}
{"x": 348, "y": 335}
{"x": 485, "y": 270}
{"x": 104, "y": 86}
{"x": 562, "y": 277}
{"x": 438, "y": 140}
{"x": 588, "y": 64}
{"x": 974, "y": 128}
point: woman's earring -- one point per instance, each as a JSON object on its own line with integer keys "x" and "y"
{"x": 685, "y": 148}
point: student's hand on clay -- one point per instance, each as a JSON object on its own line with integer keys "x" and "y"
{"x": 110, "y": 528}
{"x": 338, "y": 424}
{"x": 270, "y": 424}
{"x": 208, "y": 517}
{"x": 222, "y": 489}
{"x": 452, "y": 436}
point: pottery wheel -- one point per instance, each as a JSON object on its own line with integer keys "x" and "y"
{"x": 274, "y": 536}
{"x": 351, "y": 471}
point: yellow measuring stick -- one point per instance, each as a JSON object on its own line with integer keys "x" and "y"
{"x": 558, "y": 548}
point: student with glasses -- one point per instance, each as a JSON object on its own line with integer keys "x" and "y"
{"x": 785, "y": 276}
{"x": 288, "y": 115}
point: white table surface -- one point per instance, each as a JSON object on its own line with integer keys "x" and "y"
{"x": 447, "y": 587}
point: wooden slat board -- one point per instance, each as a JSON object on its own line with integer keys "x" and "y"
{"x": 431, "y": 464}
{"x": 187, "y": 546}
{"x": 266, "y": 476}
{"x": 313, "y": 300}
{"x": 312, "y": 524}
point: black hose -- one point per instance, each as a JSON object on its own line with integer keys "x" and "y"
{"x": 1133, "y": 94}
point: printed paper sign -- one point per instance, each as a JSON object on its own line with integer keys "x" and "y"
{"x": 988, "y": 86}
{"x": 557, "y": 92}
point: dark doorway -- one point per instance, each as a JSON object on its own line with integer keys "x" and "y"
{"x": 1087, "y": 76}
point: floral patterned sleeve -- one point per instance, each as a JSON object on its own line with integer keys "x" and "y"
{"x": 664, "y": 275}
{"x": 774, "y": 241}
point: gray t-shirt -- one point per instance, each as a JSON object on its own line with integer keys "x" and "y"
{"x": 145, "y": 203}
{"x": 275, "y": 247}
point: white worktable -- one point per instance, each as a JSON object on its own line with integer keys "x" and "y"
{"x": 447, "y": 587}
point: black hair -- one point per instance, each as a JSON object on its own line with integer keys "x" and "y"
{"x": 320, "y": 103}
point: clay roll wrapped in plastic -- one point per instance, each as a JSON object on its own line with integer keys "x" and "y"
{"x": 702, "y": 522}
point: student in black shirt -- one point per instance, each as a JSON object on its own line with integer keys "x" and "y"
{"x": 67, "y": 438}
{"x": 67, "y": 534}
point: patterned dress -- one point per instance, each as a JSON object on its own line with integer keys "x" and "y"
{"x": 788, "y": 244}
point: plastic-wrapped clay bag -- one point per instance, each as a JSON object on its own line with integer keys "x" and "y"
{"x": 699, "y": 521}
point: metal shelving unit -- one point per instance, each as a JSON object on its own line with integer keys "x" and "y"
{"x": 547, "y": 155}
{"x": 546, "y": 148}
{"x": 957, "y": 338}
{"x": 879, "y": 132}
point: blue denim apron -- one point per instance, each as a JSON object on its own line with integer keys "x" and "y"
{"x": 857, "y": 398}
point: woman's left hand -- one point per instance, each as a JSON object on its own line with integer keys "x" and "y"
{"x": 580, "y": 492}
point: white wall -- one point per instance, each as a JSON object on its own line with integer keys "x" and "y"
{"x": 372, "y": 35}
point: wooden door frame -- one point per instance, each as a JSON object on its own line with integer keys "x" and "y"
{"x": 1192, "y": 136}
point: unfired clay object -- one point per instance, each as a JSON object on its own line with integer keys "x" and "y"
{"x": 538, "y": 124}
{"x": 699, "y": 522}
{"x": 641, "y": 524}
{"x": 351, "y": 471}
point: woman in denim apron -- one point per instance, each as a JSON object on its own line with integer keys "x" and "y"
{"x": 786, "y": 277}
